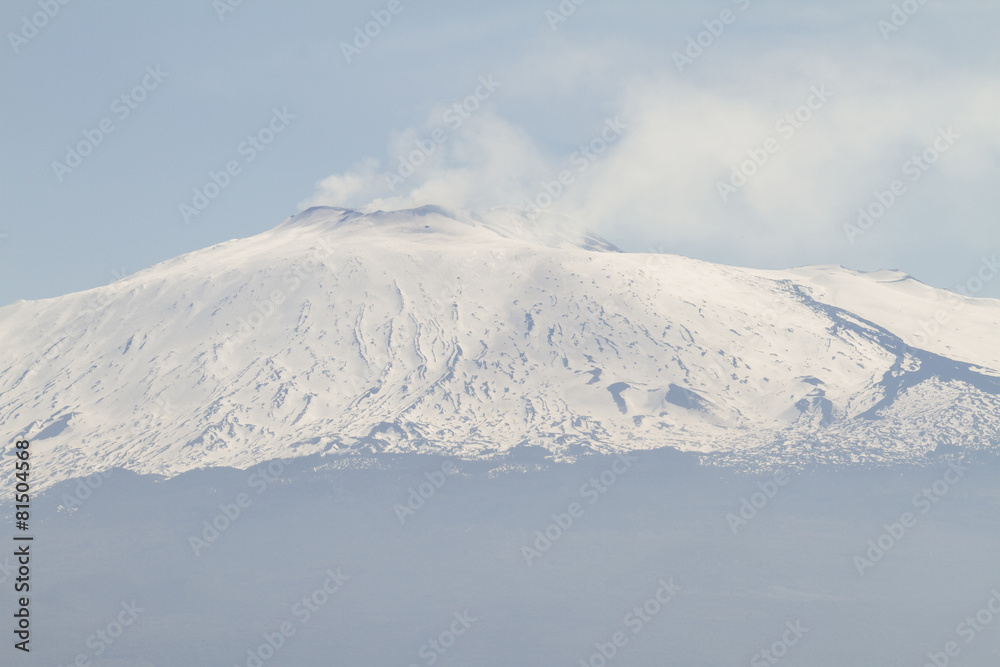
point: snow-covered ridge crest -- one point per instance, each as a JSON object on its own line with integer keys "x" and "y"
{"x": 549, "y": 230}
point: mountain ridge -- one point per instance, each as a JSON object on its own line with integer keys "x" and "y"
{"x": 340, "y": 331}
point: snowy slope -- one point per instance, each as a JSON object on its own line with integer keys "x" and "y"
{"x": 941, "y": 321}
{"x": 430, "y": 331}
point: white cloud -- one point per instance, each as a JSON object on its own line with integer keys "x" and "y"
{"x": 482, "y": 163}
{"x": 683, "y": 137}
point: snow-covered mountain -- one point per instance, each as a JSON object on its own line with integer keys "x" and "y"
{"x": 431, "y": 331}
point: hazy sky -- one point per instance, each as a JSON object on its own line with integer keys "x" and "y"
{"x": 643, "y": 108}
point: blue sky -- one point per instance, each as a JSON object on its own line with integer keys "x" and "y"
{"x": 644, "y": 125}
